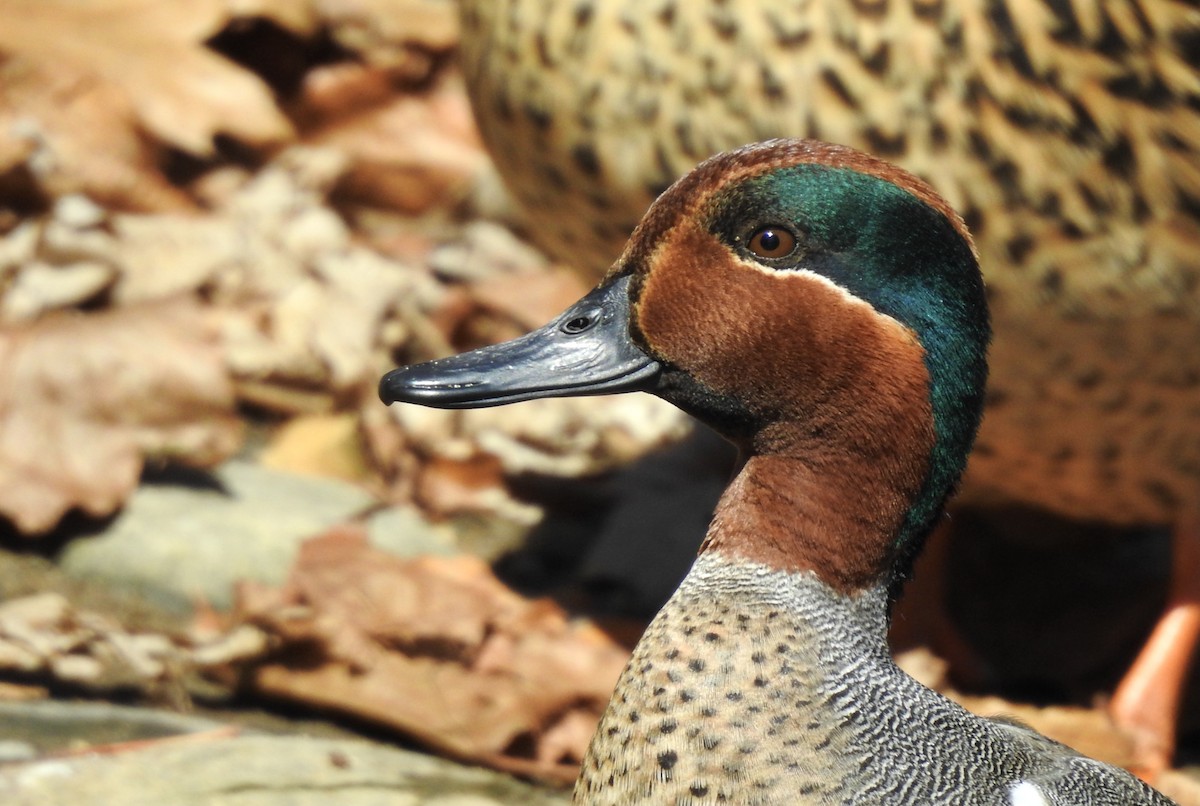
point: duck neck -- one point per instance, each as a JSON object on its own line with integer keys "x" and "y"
{"x": 815, "y": 512}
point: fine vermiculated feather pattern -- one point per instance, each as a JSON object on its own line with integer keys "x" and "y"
{"x": 755, "y": 686}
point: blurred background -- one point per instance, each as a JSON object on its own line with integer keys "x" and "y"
{"x": 225, "y": 564}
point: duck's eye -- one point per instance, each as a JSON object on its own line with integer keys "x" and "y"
{"x": 771, "y": 242}
{"x": 577, "y": 324}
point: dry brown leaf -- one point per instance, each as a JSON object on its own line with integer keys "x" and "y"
{"x": 1181, "y": 787}
{"x": 62, "y": 133}
{"x": 88, "y": 91}
{"x": 407, "y": 152}
{"x": 377, "y": 28}
{"x": 308, "y": 311}
{"x": 44, "y": 634}
{"x": 439, "y": 649}
{"x": 87, "y": 396}
{"x": 181, "y": 91}
{"x": 298, "y": 17}
{"x": 530, "y": 298}
{"x": 446, "y": 486}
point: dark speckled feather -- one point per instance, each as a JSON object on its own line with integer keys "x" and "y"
{"x": 754, "y": 686}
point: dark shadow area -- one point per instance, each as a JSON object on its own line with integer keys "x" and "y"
{"x": 619, "y": 544}
{"x": 1053, "y": 609}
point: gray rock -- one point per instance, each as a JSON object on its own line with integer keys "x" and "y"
{"x": 52, "y": 726}
{"x": 16, "y": 751}
{"x": 260, "y": 770}
{"x": 176, "y": 542}
{"x": 403, "y": 531}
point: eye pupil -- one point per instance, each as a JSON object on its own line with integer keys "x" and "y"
{"x": 577, "y": 325}
{"x": 772, "y": 242}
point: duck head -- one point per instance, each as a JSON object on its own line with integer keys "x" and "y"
{"x": 820, "y": 308}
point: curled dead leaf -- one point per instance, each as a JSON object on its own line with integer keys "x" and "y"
{"x": 86, "y": 397}
{"x": 407, "y": 152}
{"x": 439, "y": 649}
{"x": 62, "y": 134}
{"x": 181, "y": 91}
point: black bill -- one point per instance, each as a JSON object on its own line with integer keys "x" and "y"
{"x": 585, "y": 351}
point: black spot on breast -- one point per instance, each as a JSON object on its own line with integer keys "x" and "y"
{"x": 540, "y": 118}
{"x": 787, "y": 36}
{"x": 554, "y": 176}
{"x": 1052, "y": 283}
{"x": 1162, "y": 494}
{"x": 599, "y": 201}
{"x": 1089, "y": 379}
{"x": 586, "y": 158}
{"x": 877, "y": 63}
{"x": 1006, "y": 33}
{"x": 772, "y": 85}
{"x": 874, "y": 9}
{"x": 972, "y": 216}
{"x": 839, "y": 88}
{"x": 1018, "y": 247}
{"x": 1147, "y": 90}
{"x": 543, "y": 50}
{"x": 668, "y": 759}
{"x": 583, "y": 15}
{"x": 724, "y": 27}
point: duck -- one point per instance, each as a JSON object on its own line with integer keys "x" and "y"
{"x": 824, "y": 311}
{"x": 1067, "y": 134}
